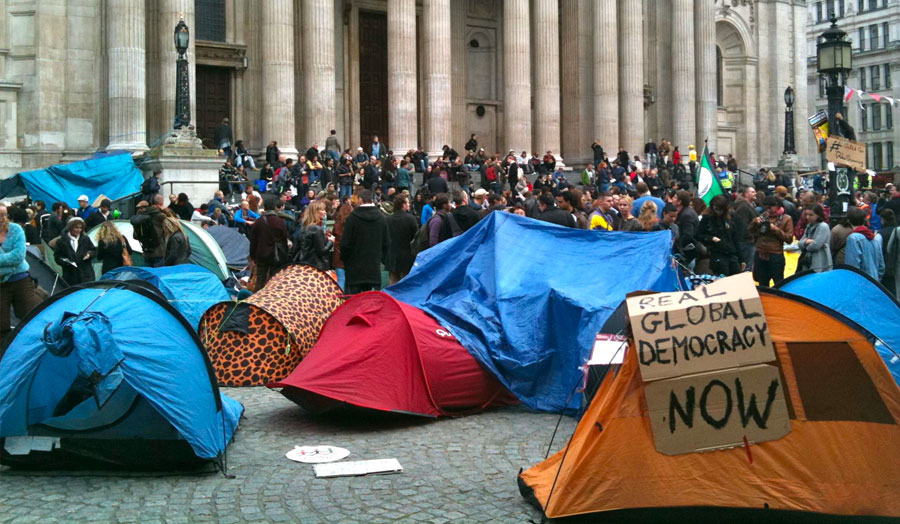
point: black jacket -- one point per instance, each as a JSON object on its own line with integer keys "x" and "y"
{"x": 111, "y": 254}
{"x": 178, "y": 250}
{"x": 64, "y": 255}
{"x": 724, "y": 230}
{"x": 364, "y": 245}
{"x": 313, "y": 248}
{"x": 687, "y": 223}
{"x": 148, "y": 231}
{"x": 436, "y": 184}
{"x": 95, "y": 219}
{"x": 402, "y": 227}
{"x": 558, "y": 216}
{"x": 466, "y": 216}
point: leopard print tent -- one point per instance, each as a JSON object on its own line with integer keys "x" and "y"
{"x": 262, "y": 339}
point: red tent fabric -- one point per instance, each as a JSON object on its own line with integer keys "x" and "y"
{"x": 376, "y": 352}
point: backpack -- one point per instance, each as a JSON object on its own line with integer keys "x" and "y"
{"x": 422, "y": 240}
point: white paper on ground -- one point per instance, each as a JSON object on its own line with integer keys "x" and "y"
{"x": 317, "y": 454}
{"x": 359, "y": 467}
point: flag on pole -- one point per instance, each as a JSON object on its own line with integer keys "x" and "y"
{"x": 848, "y": 93}
{"x": 708, "y": 184}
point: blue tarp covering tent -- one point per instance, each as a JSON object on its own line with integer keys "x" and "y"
{"x": 527, "y": 298}
{"x": 859, "y": 298}
{"x": 109, "y": 373}
{"x": 191, "y": 289}
{"x": 113, "y": 175}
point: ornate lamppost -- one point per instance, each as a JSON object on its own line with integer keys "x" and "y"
{"x": 834, "y": 63}
{"x": 182, "y": 77}
{"x": 789, "y": 122}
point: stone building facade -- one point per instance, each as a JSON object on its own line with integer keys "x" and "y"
{"x": 77, "y": 76}
{"x": 874, "y": 28}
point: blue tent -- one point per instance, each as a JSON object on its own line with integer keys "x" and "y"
{"x": 113, "y": 175}
{"x": 191, "y": 289}
{"x": 109, "y": 374}
{"x": 527, "y": 298}
{"x": 858, "y": 297}
{"x": 235, "y": 246}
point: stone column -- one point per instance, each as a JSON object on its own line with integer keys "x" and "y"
{"x": 576, "y": 51}
{"x": 459, "y": 54}
{"x": 705, "y": 47}
{"x": 664, "y": 70}
{"x": 402, "y": 107}
{"x": 277, "y": 37}
{"x": 606, "y": 75}
{"x": 436, "y": 21}
{"x": 803, "y": 139}
{"x": 684, "y": 130}
{"x": 545, "y": 35}
{"x": 126, "y": 71}
{"x": 516, "y": 75}
{"x": 318, "y": 70}
{"x": 170, "y": 12}
{"x": 631, "y": 77}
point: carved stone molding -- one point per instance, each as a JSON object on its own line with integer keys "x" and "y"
{"x": 221, "y": 54}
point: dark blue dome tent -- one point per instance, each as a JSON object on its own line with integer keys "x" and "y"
{"x": 109, "y": 375}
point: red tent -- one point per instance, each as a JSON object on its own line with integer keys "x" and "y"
{"x": 375, "y": 352}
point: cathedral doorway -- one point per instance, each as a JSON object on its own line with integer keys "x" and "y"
{"x": 373, "y": 95}
{"x": 213, "y": 101}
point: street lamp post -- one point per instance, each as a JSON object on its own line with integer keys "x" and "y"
{"x": 834, "y": 63}
{"x": 789, "y": 122}
{"x": 182, "y": 77}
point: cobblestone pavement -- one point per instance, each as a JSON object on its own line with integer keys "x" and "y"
{"x": 455, "y": 470}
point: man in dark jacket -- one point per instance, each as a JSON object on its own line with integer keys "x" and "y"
{"x": 268, "y": 236}
{"x": 466, "y": 216}
{"x": 436, "y": 184}
{"x": 98, "y": 217}
{"x": 743, "y": 216}
{"x": 402, "y": 226}
{"x": 687, "y": 223}
{"x": 364, "y": 245}
{"x": 551, "y": 213}
{"x": 148, "y": 230}
{"x": 223, "y": 138}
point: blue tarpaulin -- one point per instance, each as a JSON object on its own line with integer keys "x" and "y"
{"x": 527, "y": 298}
{"x": 113, "y": 175}
{"x": 191, "y": 289}
{"x": 859, "y": 298}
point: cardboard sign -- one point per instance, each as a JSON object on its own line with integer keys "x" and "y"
{"x": 359, "y": 467}
{"x": 717, "y": 410}
{"x": 846, "y": 153}
{"x": 718, "y": 326}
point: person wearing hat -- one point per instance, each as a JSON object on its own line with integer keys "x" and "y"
{"x": 84, "y": 208}
{"x": 74, "y": 252}
{"x": 99, "y": 217}
{"x": 224, "y": 138}
{"x": 771, "y": 230}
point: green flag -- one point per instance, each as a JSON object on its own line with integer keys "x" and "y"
{"x": 708, "y": 184}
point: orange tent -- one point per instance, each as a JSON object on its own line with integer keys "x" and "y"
{"x": 840, "y": 457}
{"x": 262, "y": 339}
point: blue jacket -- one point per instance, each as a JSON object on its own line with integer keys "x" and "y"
{"x": 865, "y": 254}
{"x": 12, "y": 253}
{"x": 239, "y": 216}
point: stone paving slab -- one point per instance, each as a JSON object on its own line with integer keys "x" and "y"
{"x": 455, "y": 470}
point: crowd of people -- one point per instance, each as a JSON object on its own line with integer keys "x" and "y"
{"x": 385, "y": 208}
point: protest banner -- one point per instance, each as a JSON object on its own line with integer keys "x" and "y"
{"x": 717, "y": 409}
{"x": 718, "y": 326}
{"x": 846, "y": 153}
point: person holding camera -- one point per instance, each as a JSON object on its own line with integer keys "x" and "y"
{"x": 771, "y": 230}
